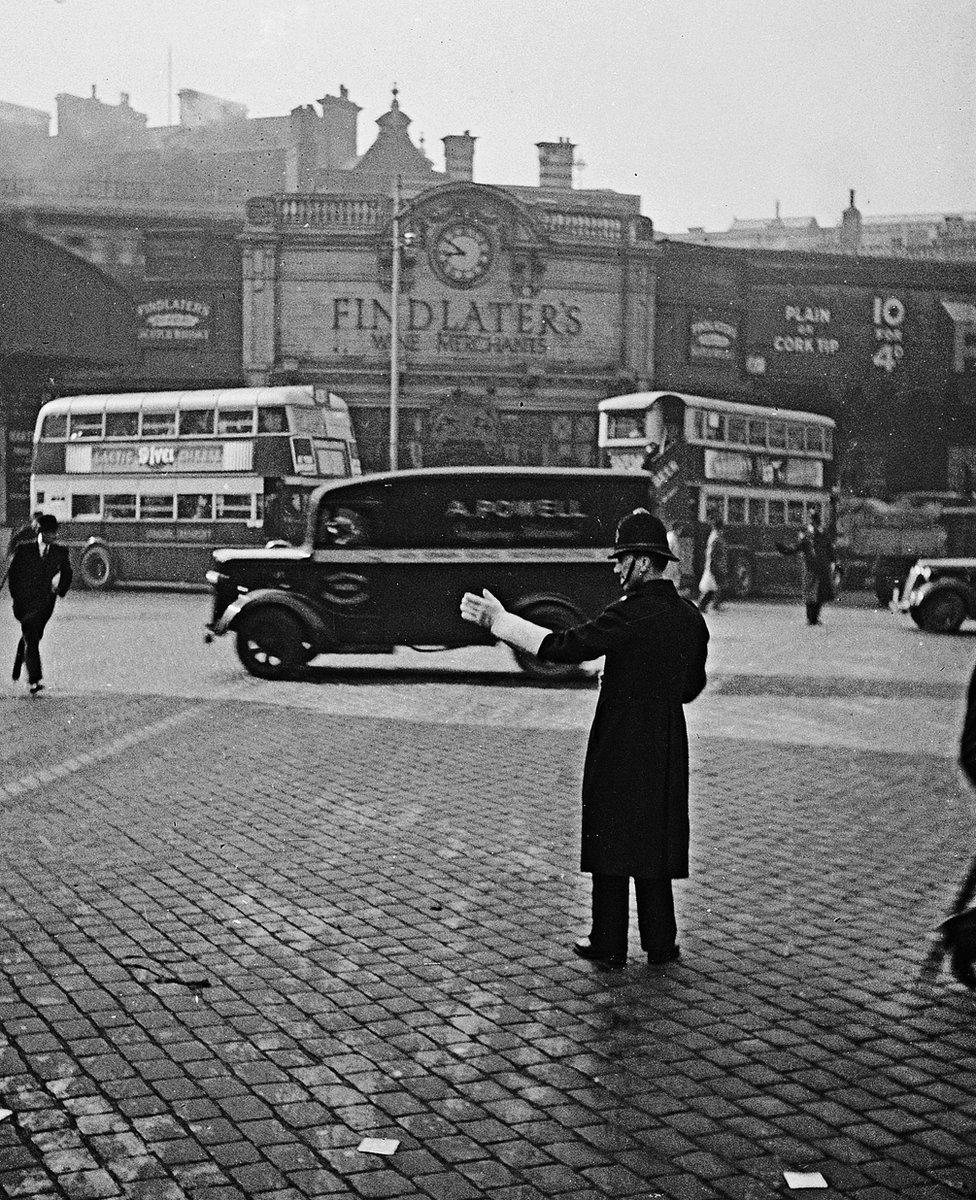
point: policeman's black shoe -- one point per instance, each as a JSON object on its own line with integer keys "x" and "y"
{"x": 36, "y": 688}
{"x": 665, "y": 956}
{"x": 613, "y": 962}
{"x": 15, "y": 673}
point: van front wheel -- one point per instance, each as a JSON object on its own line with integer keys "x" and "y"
{"x": 555, "y": 617}
{"x": 273, "y": 645}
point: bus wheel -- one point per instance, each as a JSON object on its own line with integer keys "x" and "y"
{"x": 551, "y": 616}
{"x": 96, "y": 568}
{"x": 741, "y": 577}
{"x": 273, "y": 645}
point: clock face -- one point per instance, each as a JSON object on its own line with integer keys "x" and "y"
{"x": 462, "y": 253}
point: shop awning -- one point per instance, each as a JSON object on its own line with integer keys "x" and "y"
{"x": 57, "y": 308}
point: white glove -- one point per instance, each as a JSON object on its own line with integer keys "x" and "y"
{"x": 481, "y": 610}
{"x": 488, "y": 611}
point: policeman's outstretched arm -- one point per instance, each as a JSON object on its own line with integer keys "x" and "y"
{"x": 489, "y": 612}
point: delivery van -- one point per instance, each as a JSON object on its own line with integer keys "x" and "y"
{"x": 388, "y": 556}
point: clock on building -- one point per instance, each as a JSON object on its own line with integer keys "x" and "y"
{"x": 462, "y": 253}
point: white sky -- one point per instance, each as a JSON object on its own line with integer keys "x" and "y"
{"x": 708, "y": 109}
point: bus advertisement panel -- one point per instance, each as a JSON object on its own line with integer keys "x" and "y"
{"x": 147, "y": 484}
{"x": 763, "y": 471}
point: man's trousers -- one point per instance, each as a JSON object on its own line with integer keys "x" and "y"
{"x": 29, "y": 647}
{"x": 611, "y": 912}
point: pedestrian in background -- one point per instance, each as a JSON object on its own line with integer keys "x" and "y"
{"x": 40, "y": 572}
{"x": 711, "y": 589}
{"x": 673, "y": 570}
{"x": 817, "y": 560}
{"x": 635, "y": 778}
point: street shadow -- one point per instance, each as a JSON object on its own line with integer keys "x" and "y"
{"x": 410, "y": 676}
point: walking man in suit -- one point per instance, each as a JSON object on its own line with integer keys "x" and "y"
{"x": 39, "y": 573}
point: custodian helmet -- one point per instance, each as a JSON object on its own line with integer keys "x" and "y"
{"x": 641, "y": 533}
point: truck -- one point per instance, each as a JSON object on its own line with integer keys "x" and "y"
{"x": 877, "y": 542}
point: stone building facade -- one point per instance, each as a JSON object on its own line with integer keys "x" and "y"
{"x": 519, "y": 307}
{"x": 515, "y": 317}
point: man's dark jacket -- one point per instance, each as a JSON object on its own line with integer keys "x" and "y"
{"x": 635, "y": 780}
{"x": 31, "y": 576}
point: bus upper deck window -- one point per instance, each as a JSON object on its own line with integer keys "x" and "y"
{"x": 794, "y": 436}
{"x": 815, "y": 441}
{"x": 159, "y": 424}
{"x": 757, "y": 433}
{"x": 196, "y": 422}
{"x": 737, "y": 431}
{"x": 235, "y": 420}
{"x": 85, "y": 425}
{"x": 777, "y": 435}
{"x": 715, "y": 427}
{"x": 272, "y": 420}
{"x": 626, "y": 425}
{"x": 55, "y": 426}
{"x": 331, "y": 460}
{"x": 122, "y": 424}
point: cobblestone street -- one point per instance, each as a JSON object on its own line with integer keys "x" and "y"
{"x": 243, "y": 931}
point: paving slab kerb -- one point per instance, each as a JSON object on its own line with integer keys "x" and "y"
{"x": 237, "y": 944}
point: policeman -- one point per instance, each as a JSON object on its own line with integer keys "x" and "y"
{"x": 635, "y": 778}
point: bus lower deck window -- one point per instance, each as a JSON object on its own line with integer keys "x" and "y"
{"x": 777, "y": 512}
{"x": 120, "y": 507}
{"x": 737, "y": 510}
{"x": 194, "y": 506}
{"x": 757, "y": 511}
{"x": 85, "y": 507}
{"x": 794, "y": 512}
{"x": 156, "y": 508}
{"x": 234, "y": 508}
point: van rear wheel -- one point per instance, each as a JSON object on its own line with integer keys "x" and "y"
{"x": 273, "y": 645}
{"x": 550, "y": 615}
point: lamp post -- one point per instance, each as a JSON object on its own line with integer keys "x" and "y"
{"x": 395, "y": 331}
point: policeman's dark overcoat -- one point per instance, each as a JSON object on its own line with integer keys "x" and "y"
{"x": 635, "y": 780}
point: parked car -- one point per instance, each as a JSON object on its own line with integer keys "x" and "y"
{"x": 387, "y": 558}
{"x": 940, "y": 593}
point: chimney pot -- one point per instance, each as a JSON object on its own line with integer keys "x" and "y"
{"x": 459, "y": 156}
{"x": 556, "y": 164}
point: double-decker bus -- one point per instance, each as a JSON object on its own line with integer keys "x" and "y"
{"x": 762, "y": 470}
{"x": 147, "y": 484}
